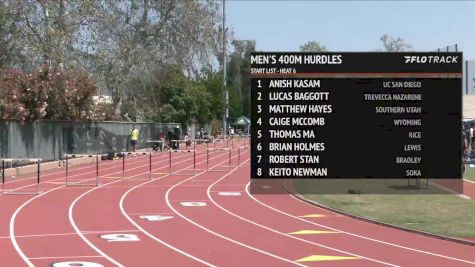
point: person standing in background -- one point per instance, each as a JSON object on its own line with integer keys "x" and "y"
{"x": 134, "y": 137}
{"x": 161, "y": 137}
{"x": 187, "y": 141}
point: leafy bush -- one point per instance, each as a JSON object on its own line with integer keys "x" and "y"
{"x": 51, "y": 92}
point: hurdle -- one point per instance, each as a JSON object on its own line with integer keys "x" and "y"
{"x": 178, "y": 142}
{"x": 80, "y": 183}
{"x": 171, "y": 152}
{"x": 219, "y": 149}
{"x": 159, "y": 142}
{"x": 208, "y": 145}
{"x": 200, "y": 141}
{"x": 244, "y": 139}
{"x": 127, "y": 154}
{"x": 21, "y": 160}
{"x": 240, "y": 148}
{"x": 238, "y": 141}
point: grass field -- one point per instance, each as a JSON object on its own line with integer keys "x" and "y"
{"x": 447, "y": 215}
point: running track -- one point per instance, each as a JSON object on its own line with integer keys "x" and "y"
{"x": 70, "y": 224}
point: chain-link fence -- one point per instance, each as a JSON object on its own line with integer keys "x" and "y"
{"x": 50, "y": 140}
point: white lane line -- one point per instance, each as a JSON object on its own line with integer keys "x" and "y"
{"x": 121, "y": 205}
{"x": 450, "y": 190}
{"x": 107, "y": 231}
{"x": 225, "y": 192}
{"x": 190, "y": 185}
{"x": 220, "y": 235}
{"x": 208, "y": 192}
{"x": 148, "y": 213}
{"x": 78, "y": 231}
{"x": 72, "y": 233}
{"x": 470, "y": 181}
{"x": 13, "y": 218}
{"x": 239, "y": 185}
{"x": 44, "y": 235}
{"x": 349, "y": 233}
{"x": 187, "y": 200}
{"x": 63, "y": 257}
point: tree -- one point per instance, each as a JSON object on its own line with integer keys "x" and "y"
{"x": 52, "y": 32}
{"x": 136, "y": 36}
{"x": 70, "y": 93}
{"x": 12, "y": 83}
{"x": 212, "y": 81}
{"x": 238, "y": 78}
{"x": 312, "y": 46}
{"x": 49, "y": 93}
{"x": 145, "y": 53}
{"x": 8, "y": 34}
{"x": 392, "y": 44}
{"x": 167, "y": 95}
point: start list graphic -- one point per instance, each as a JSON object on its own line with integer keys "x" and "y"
{"x": 356, "y": 115}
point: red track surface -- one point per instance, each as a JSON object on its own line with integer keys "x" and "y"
{"x": 65, "y": 224}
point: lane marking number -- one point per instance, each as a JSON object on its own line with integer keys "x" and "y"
{"x": 229, "y": 193}
{"x": 76, "y": 264}
{"x": 154, "y": 218}
{"x": 120, "y": 237}
{"x": 193, "y": 204}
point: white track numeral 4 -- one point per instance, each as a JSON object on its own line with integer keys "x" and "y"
{"x": 193, "y": 204}
{"x": 76, "y": 264}
{"x": 154, "y": 218}
{"x": 229, "y": 193}
{"x": 120, "y": 237}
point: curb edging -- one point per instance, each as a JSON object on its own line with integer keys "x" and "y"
{"x": 442, "y": 237}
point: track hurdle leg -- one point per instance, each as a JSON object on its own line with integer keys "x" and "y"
{"x": 171, "y": 172}
{"x": 150, "y": 169}
{"x": 239, "y": 156}
{"x": 212, "y": 169}
{"x": 141, "y": 154}
{"x": 15, "y": 191}
{"x": 170, "y": 162}
{"x": 84, "y": 181}
{"x": 3, "y": 175}
{"x": 240, "y": 161}
{"x": 123, "y": 166}
{"x": 38, "y": 178}
{"x": 97, "y": 170}
{"x": 67, "y": 169}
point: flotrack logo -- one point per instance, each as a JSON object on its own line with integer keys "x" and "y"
{"x": 431, "y": 59}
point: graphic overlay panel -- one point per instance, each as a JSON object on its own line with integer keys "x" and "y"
{"x": 357, "y": 116}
